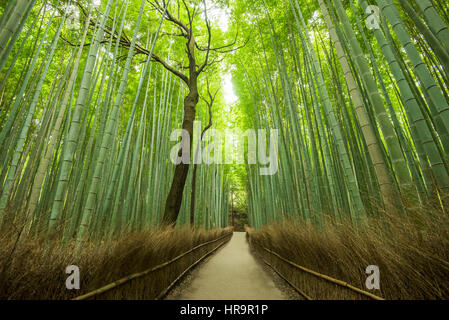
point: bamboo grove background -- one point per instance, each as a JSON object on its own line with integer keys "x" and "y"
{"x": 361, "y": 112}
{"x": 363, "y": 119}
{"x": 86, "y": 123}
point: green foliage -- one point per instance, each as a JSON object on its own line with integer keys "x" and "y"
{"x": 91, "y": 152}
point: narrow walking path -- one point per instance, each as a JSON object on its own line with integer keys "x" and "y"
{"x": 232, "y": 274}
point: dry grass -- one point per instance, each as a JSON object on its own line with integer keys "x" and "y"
{"x": 411, "y": 252}
{"x": 32, "y": 272}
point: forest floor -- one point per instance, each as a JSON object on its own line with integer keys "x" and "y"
{"x": 231, "y": 274}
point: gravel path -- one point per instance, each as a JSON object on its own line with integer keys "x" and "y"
{"x": 231, "y": 274}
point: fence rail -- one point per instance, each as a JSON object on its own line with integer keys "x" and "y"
{"x": 316, "y": 274}
{"x": 307, "y": 297}
{"x": 117, "y": 283}
{"x": 164, "y": 293}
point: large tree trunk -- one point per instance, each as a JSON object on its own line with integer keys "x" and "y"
{"x": 195, "y": 167}
{"x": 193, "y": 196}
{"x": 174, "y": 199}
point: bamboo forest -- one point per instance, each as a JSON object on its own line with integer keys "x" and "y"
{"x": 224, "y": 149}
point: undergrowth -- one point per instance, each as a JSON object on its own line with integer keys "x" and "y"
{"x": 411, "y": 251}
{"x": 30, "y": 271}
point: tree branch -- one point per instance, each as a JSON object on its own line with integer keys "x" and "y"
{"x": 170, "y": 68}
{"x": 209, "y": 104}
{"x": 168, "y": 16}
{"x": 209, "y": 33}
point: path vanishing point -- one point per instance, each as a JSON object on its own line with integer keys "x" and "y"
{"x": 232, "y": 274}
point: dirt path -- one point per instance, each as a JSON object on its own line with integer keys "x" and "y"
{"x": 232, "y": 274}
